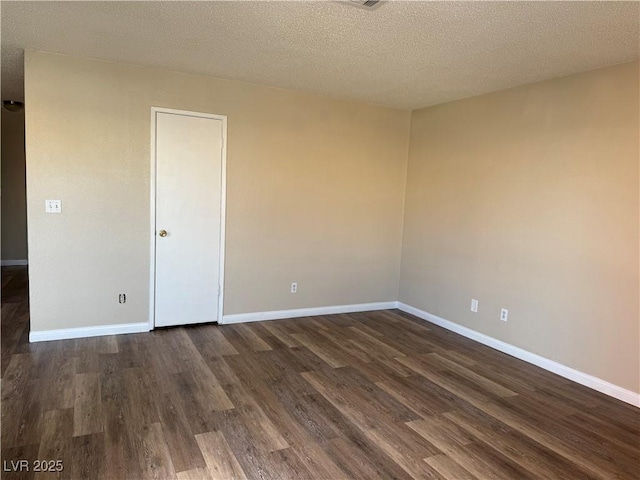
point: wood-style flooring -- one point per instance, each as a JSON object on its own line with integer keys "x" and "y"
{"x": 379, "y": 395}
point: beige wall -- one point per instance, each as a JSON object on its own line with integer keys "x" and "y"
{"x": 14, "y": 205}
{"x": 315, "y": 191}
{"x": 527, "y": 199}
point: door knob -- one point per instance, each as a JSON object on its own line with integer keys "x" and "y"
{"x": 162, "y": 233}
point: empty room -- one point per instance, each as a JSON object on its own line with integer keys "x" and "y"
{"x": 320, "y": 240}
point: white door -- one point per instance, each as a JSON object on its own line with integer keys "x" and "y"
{"x": 189, "y": 181}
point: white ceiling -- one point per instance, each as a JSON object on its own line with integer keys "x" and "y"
{"x": 403, "y": 54}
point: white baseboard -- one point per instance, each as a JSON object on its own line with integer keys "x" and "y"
{"x": 306, "y": 312}
{"x": 567, "y": 372}
{"x": 13, "y": 263}
{"x": 67, "y": 333}
{"x": 577, "y": 376}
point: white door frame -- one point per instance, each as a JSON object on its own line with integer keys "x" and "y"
{"x": 152, "y": 208}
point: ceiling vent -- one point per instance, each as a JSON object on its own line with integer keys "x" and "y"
{"x": 366, "y": 4}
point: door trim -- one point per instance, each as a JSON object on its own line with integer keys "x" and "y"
{"x": 152, "y": 208}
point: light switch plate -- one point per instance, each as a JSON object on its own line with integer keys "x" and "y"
{"x": 53, "y": 206}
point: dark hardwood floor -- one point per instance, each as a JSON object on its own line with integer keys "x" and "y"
{"x": 371, "y": 395}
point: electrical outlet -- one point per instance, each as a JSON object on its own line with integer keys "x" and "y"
{"x": 474, "y": 305}
{"x": 122, "y": 298}
{"x": 294, "y": 287}
{"x": 504, "y": 314}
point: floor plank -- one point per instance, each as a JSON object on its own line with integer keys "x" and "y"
{"x": 221, "y": 461}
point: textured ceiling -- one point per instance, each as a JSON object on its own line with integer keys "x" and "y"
{"x": 402, "y": 54}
